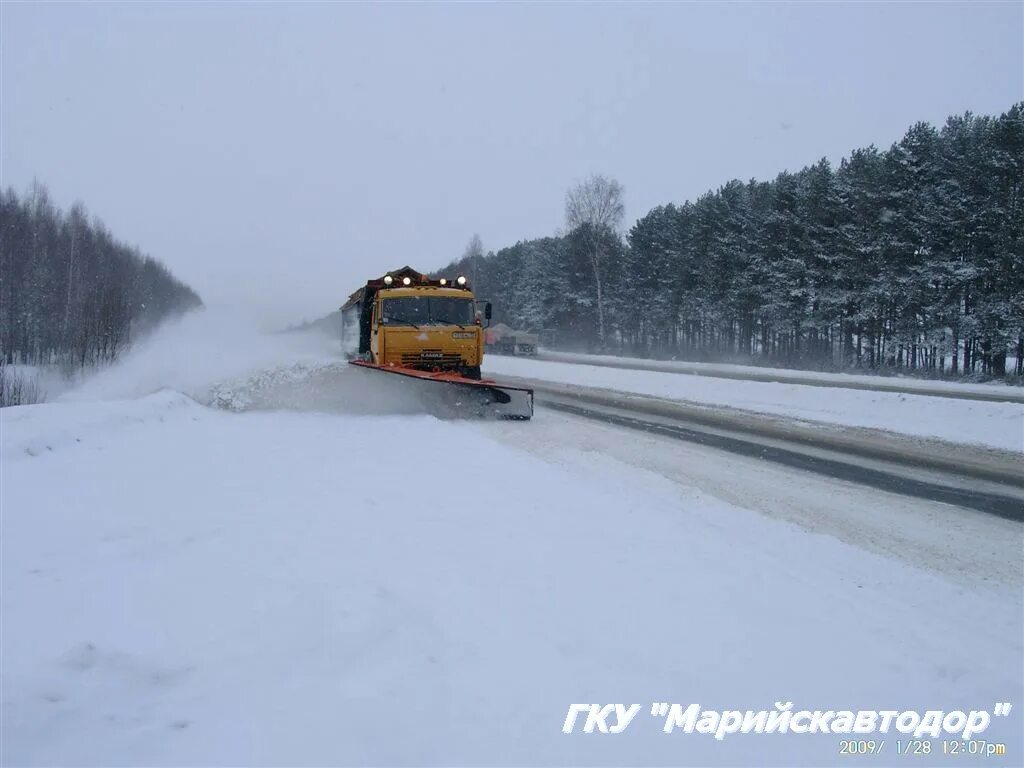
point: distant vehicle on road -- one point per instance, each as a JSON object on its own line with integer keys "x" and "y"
{"x": 503, "y": 340}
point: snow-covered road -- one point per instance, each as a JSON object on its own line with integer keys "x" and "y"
{"x": 964, "y": 545}
{"x": 183, "y": 585}
{"x": 993, "y": 424}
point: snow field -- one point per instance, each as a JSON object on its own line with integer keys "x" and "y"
{"x": 183, "y": 585}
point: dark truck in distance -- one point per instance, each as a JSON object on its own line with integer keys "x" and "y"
{"x": 503, "y": 340}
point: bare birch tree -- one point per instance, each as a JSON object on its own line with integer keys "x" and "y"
{"x": 597, "y": 202}
{"x": 474, "y": 251}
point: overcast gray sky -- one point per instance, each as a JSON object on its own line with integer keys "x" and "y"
{"x": 277, "y": 155}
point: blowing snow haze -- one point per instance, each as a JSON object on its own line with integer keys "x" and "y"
{"x": 276, "y": 155}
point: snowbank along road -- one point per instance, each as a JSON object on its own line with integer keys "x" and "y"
{"x": 994, "y": 392}
{"x": 269, "y": 565}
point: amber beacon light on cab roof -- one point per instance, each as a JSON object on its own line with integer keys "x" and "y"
{"x": 430, "y": 329}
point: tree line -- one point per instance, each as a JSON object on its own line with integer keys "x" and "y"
{"x": 71, "y": 294}
{"x": 908, "y": 259}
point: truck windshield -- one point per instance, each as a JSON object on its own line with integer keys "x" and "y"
{"x": 421, "y": 310}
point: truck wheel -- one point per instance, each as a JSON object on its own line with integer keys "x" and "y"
{"x": 471, "y": 371}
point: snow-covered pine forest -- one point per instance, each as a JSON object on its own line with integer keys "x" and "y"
{"x": 908, "y": 259}
{"x": 70, "y": 293}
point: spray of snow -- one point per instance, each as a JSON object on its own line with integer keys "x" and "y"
{"x": 201, "y": 350}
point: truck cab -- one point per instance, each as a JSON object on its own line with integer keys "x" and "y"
{"x": 408, "y": 320}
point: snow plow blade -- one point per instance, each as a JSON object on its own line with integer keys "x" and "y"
{"x": 457, "y": 395}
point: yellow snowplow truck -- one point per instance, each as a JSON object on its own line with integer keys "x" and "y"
{"x": 424, "y": 328}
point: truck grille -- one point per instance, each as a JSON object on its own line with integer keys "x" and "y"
{"x": 431, "y": 358}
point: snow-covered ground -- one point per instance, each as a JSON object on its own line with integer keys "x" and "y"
{"x": 994, "y": 424}
{"x": 189, "y": 585}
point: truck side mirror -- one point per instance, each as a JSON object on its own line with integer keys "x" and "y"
{"x": 487, "y": 311}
